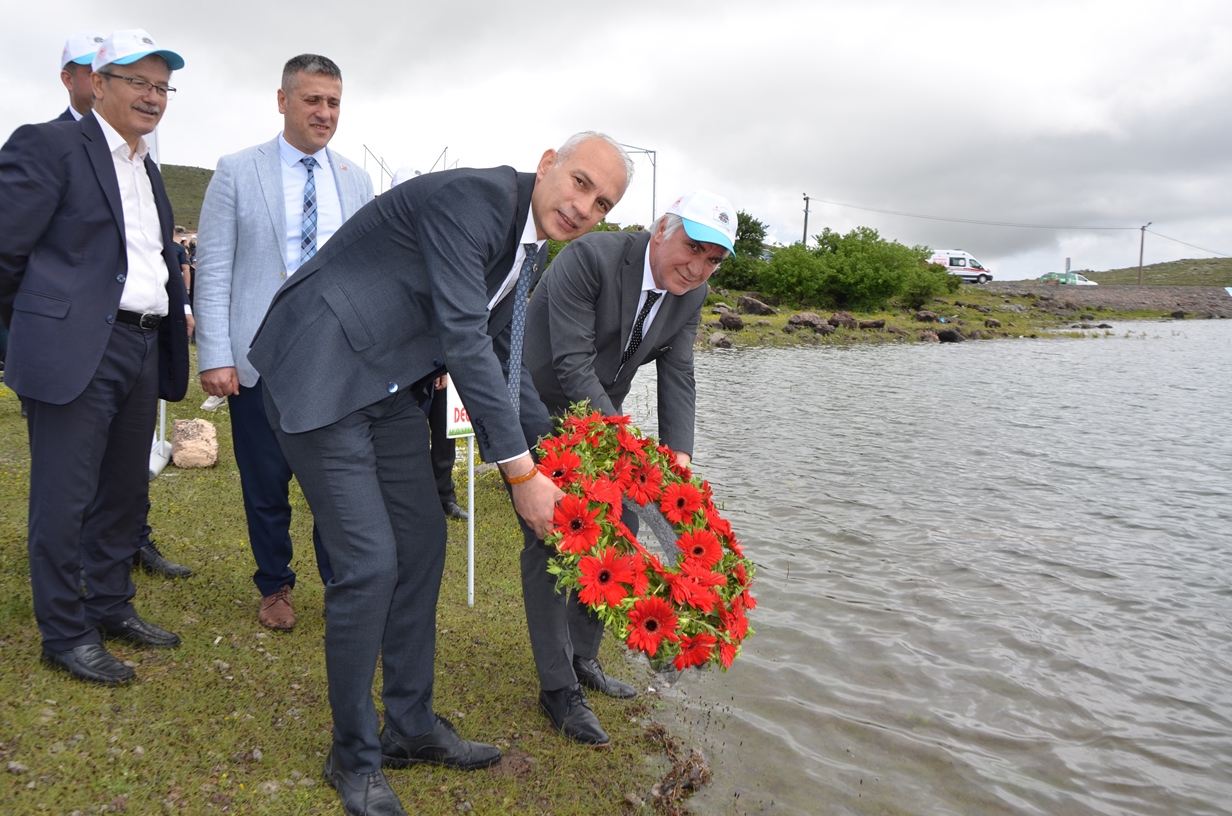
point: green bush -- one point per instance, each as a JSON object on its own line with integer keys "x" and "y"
{"x": 927, "y": 282}
{"x": 858, "y": 270}
{"x": 739, "y": 272}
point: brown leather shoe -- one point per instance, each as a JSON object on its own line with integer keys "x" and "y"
{"x": 276, "y": 611}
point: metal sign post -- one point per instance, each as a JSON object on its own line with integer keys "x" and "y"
{"x": 459, "y": 424}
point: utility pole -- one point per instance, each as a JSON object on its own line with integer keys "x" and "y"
{"x": 1141, "y": 246}
{"x": 806, "y": 203}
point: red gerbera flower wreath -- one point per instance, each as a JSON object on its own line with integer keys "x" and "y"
{"x": 692, "y": 612}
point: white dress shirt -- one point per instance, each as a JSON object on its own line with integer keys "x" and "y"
{"x": 329, "y": 205}
{"x": 145, "y": 282}
{"x": 529, "y": 236}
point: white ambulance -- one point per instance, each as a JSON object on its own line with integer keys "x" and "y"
{"x": 962, "y": 264}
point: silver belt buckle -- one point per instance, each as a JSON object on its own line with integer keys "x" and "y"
{"x": 149, "y": 321}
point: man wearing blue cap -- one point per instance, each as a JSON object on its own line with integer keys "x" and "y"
{"x": 90, "y": 292}
{"x": 610, "y": 303}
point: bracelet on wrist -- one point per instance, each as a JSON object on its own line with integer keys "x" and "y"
{"x": 525, "y": 477}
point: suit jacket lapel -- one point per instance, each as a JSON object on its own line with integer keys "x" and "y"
{"x": 104, "y": 168}
{"x": 269, "y": 175}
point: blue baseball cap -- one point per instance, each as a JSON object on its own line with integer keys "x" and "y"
{"x": 132, "y": 44}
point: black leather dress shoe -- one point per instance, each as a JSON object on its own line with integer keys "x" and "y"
{"x": 140, "y": 633}
{"x": 152, "y": 561}
{"x": 92, "y": 663}
{"x": 590, "y": 674}
{"x": 440, "y": 746}
{"x": 454, "y": 510}
{"x": 570, "y": 713}
{"x": 362, "y": 794}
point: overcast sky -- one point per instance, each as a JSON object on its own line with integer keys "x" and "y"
{"x": 1063, "y": 113}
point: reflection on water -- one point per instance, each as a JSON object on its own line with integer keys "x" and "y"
{"x": 994, "y": 577}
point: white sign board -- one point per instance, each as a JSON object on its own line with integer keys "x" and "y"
{"x": 459, "y": 424}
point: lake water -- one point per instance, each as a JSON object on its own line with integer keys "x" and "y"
{"x": 995, "y": 577}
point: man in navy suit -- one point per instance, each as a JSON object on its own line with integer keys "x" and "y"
{"x": 90, "y": 292}
{"x": 425, "y": 277}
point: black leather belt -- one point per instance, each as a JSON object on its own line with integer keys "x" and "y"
{"x": 149, "y": 322}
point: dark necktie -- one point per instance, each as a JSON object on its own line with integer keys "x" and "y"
{"x": 520, "y": 294}
{"x": 308, "y": 237}
{"x": 635, "y": 339}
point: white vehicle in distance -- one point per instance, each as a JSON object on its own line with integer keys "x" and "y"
{"x": 1070, "y": 278}
{"x": 961, "y": 263}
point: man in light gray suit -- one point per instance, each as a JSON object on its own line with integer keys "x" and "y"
{"x": 431, "y": 275}
{"x": 267, "y": 210}
{"x": 610, "y": 303}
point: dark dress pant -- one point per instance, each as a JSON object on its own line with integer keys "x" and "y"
{"x": 444, "y": 448}
{"x": 368, "y": 478}
{"x": 265, "y": 479}
{"x": 89, "y": 480}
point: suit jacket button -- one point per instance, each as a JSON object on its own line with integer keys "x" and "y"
{"x": 392, "y": 388}
{"x": 438, "y": 362}
{"x": 120, "y": 278}
{"x": 111, "y": 318}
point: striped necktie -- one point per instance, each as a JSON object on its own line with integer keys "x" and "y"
{"x": 308, "y": 235}
{"x": 520, "y": 296}
{"x": 635, "y": 339}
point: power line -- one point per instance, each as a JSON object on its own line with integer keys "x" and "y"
{"x": 1191, "y": 246}
{"x": 968, "y": 220}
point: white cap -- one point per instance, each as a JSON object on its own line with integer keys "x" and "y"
{"x": 401, "y": 175}
{"x": 127, "y": 46}
{"x": 81, "y": 48}
{"x": 707, "y": 217}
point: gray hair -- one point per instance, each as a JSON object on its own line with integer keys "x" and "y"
{"x": 668, "y": 222}
{"x": 571, "y": 144}
{"x": 308, "y": 64}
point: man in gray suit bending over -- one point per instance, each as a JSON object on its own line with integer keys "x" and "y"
{"x": 610, "y": 303}
{"x": 431, "y": 275}
{"x": 267, "y": 210}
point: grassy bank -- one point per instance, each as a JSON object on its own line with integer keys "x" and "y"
{"x": 976, "y": 311}
{"x": 236, "y": 719}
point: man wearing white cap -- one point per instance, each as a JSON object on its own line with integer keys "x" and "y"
{"x": 91, "y": 294}
{"x": 75, "y": 63}
{"x": 610, "y": 303}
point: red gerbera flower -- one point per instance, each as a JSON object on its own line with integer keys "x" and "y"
{"x": 680, "y": 501}
{"x": 695, "y": 651}
{"x": 646, "y": 484}
{"x": 603, "y": 578}
{"x": 650, "y": 620}
{"x": 622, "y": 472}
{"x": 717, "y": 524}
{"x": 560, "y": 466}
{"x": 574, "y": 518}
{"x": 701, "y": 547}
{"x": 581, "y": 424}
{"x": 630, "y": 443}
{"x": 735, "y": 622}
{"x": 619, "y": 421}
{"x": 727, "y": 653}
{"x": 603, "y": 489}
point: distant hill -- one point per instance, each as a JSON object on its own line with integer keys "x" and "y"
{"x": 186, "y": 189}
{"x": 1199, "y": 272}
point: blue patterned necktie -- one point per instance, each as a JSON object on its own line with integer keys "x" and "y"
{"x": 520, "y": 295}
{"x": 635, "y": 339}
{"x": 308, "y": 237}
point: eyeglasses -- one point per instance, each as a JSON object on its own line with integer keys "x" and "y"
{"x": 141, "y": 86}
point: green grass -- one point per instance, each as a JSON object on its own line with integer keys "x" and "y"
{"x": 1188, "y": 272}
{"x": 236, "y": 719}
{"x": 186, "y": 189}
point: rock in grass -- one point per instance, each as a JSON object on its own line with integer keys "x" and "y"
{"x": 195, "y": 444}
